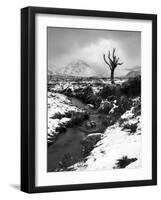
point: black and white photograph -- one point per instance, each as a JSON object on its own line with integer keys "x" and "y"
{"x": 93, "y": 99}
{"x": 89, "y": 99}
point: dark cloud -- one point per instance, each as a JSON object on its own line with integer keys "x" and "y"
{"x": 67, "y": 44}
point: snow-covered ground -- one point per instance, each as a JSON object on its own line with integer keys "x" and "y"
{"x": 58, "y": 104}
{"x": 119, "y": 146}
{"x": 116, "y": 144}
{"x": 74, "y": 85}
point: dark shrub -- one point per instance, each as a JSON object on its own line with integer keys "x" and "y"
{"x": 49, "y": 88}
{"x": 131, "y": 127}
{"x": 87, "y": 90}
{"x": 124, "y": 103}
{"x": 99, "y": 84}
{"x": 97, "y": 101}
{"x": 107, "y": 91}
{"x": 77, "y": 118}
{"x": 94, "y": 100}
{"x": 89, "y": 142}
{"x": 118, "y": 90}
{"x": 68, "y": 114}
{"x": 84, "y": 94}
{"x": 66, "y": 161}
{"x": 132, "y": 87}
{"x": 68, "y": 92}
{"x": 111, "y": 98}
{"x": 105, "y": 107}
{"x": 86, "y": 116}
{"x": 105, "y": 122}
{"x": 61, "y": 128}
{"x": 110, "y": 120}
{"x": 137, "y": 107}
{"x": 87, "y": 94}
{"x": 57, "y": 116}
{"x": 121, "y": 121}
{"x": 124, "y": 161}
{"x": 60, "y": 116}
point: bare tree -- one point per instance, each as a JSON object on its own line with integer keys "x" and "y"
{"x": 112, "y": 63}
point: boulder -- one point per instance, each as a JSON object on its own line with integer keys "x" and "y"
{"x": 90, "y": 105}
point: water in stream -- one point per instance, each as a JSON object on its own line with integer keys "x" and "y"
{"x": 70, "y": 142}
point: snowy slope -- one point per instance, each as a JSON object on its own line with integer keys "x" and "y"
{"x": 133, "y": 74}
{"x": 58, "y": 103}
{"x": 78, "y": 68}
{"x": 114, "y": 145}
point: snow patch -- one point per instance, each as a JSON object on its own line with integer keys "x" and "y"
{"x": 114, "y": 145}
{"x": 58, "y": 103}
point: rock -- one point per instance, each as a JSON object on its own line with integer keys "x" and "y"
{"x": 115, "y": 101}
{"x": 93, "y": 124}
{"x": 113, "y": 108}
{"x": 90, "y": 105}
{"x": 90, "y": 124}
{"x": 94, "y": 136}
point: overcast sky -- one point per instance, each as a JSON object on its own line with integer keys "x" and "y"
{"x": 66, "y": 45}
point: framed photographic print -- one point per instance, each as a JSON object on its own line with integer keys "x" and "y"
{"x": 88, "y": 99}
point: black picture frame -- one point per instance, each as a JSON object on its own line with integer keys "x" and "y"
{"x": 28, "y": 98}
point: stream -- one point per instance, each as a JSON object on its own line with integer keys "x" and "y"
{"x": 69, "y": 143}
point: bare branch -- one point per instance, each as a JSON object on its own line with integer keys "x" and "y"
{"x": 109, "y": 57}
{"x": 120, "y": 63}
{"x": 104, "y": 57}
{"x": 113, "y": 62}
{"x": 114, "y": 53}
{"x": 117, "y": 60}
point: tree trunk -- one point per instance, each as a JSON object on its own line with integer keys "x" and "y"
{"x": 112, "y": 77}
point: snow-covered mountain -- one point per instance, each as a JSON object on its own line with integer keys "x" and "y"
{"x": 54, "y": 70}
{"x": 78, "y": 68}
{"x": 133, "y": 74}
